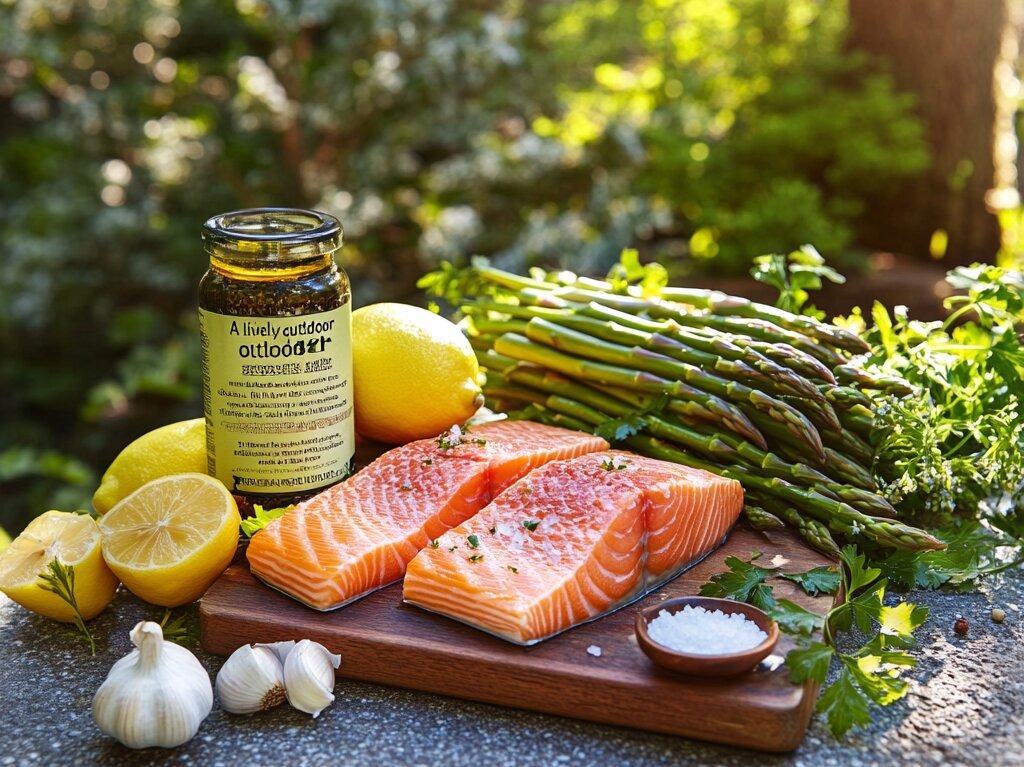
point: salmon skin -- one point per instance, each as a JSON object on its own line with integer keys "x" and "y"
{"x": 573, "y": 540}
{"x": 359, "y": 535}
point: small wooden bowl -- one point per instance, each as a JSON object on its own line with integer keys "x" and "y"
{"x": 731, "y": 664}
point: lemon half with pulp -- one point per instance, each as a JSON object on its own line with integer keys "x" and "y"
{"x": 73, "y": 539}
{"x": 170, "y": 539}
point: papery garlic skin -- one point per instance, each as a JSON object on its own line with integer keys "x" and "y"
{"x": 157, "y": 695}
{"x": 252, "y": 679}
{"x": 309, "y": 676}
{"x": 280, "y": 649}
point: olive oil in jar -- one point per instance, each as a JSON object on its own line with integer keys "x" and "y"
{"x": 275, "y": 327}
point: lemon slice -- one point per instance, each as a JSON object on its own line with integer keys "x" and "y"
{"x": 171, "y": 538}
{"x": 74, "y": 539}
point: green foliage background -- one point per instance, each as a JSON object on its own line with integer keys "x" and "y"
{"x": 703, "y": 131}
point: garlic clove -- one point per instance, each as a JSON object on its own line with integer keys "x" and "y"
{"x": 280, "y": 649}
{"x": 252, "y": 679}
{"x": 309, "y": 676}
{"x": 157, "y": 695}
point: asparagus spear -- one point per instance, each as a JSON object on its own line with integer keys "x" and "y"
{"x": 577, "y": 343}
{"x": 708, "y": 405}
{"x": 723, "y": 449}
{"x": 840, "y": 516}
{"x": 759, "y": 519}
{"x": 811, "y": 530}
{"x": 721, "y": 303}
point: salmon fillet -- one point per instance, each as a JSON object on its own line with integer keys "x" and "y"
{"x": 572, "y": 541}
{"x": 359, "y": 535}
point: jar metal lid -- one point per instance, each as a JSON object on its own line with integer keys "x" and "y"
{"x": 284, "y": 233}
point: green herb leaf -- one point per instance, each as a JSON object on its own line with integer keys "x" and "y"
{"x": 844, "y": 704}
{"x": 182, "y": 630}
{"x": 795, "y": 619}
{"x": 873, "y": 679}
{"x": 474, "y": 542}
{"x": 820, "y": 580}
{"x": 60, "y": 580}
{"x": 435, "y": 543}
{"x": 476, "y": 558}
{"x": 530, "y": 524}
{"x": 620, "y": 429}
{"x": 810, "y": 661}
{"x": 513, "y": 569}
{"x": 261, "y": 517}
{"x": 859, "y": 574}
{"x": 740, "y": 582}
{"x": 900, "y": 620}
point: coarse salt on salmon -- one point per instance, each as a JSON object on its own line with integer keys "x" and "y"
{"x": 359, "y": 535}
{"x": 572, "y": 541}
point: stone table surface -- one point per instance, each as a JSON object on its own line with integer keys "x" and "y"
{"x": 966, "y": 706}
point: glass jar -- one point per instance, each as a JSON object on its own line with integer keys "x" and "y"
{"x": 275, "y": 328}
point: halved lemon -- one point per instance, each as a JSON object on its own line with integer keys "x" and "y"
{"x": 74, "y": 539}
{"x": 170, "y": 539}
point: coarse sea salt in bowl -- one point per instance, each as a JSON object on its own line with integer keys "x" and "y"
{"x": 704, "y": 636}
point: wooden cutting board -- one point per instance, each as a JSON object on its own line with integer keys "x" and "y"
{"x": 384, "y": 641}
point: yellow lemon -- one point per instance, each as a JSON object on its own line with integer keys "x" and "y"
{"x": 176, "y": 448}
{"x": 73, "y": 539}
{"x": 171, "y": 538}
{"x": 414, "y": 373}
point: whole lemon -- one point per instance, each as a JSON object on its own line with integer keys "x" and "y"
{"x": 414, "y": 373}
{"x": 177, "y": 448}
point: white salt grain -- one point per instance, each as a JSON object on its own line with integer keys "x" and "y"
{"x": 594, "y": 650}
{"x": 700, "y": 632}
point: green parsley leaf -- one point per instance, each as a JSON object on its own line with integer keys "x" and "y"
{"x": 859, "y": 574}
{"x": 811, "y": 661}
{"x": 795, "y": 619}
{"x": 844, "y": 704}
{"x": 405, "y": 488}
{"x": 869, "y": 674}
{"x": 513, "y": 569}
{"x": 476, "y": 558}
{"x": 474, "y": 542}
{"x": 739, "y": 582}
{"x": 435, "y": 543}
{"x": 820, "y": 580}
{"x": 530, "y": 524}
{"x": 901, "y": 620}
{"x": 261, "y": 517}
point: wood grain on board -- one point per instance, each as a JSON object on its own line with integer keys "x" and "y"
{"x": 384, "y": 641}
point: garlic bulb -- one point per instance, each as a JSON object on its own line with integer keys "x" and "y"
{"x": 252, "y": 679}
{"x": 157, "y": 695}
{"x": 309, "y": 676}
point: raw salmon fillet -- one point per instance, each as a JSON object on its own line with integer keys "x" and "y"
{"x": 571, "y": 541}
{"x": 359, "y": 535}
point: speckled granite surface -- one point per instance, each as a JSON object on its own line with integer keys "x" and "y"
{"x": 966, "y": 707}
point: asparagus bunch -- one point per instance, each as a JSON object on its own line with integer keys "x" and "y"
{"x": 747, "y": 391}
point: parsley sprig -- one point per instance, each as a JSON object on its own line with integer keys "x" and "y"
{"x": 261, "y": 517}
{"x": 870, "y": 675}
{"x": 60, "y": 580}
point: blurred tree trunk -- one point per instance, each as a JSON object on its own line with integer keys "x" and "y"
{"x": 946, "y": 53}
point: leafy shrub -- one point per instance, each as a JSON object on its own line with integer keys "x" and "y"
{"x": 706, "y": 131}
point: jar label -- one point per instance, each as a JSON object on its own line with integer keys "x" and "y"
{"x": 278, "y": 398}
